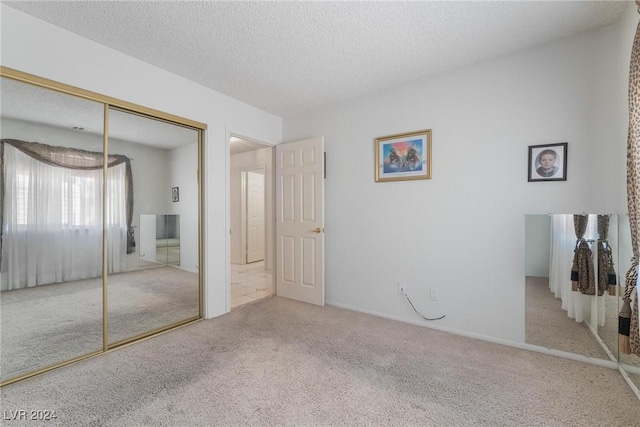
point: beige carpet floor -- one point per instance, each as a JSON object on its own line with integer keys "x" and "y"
{"x": 49, "y": 324}
{"x": 547, "y": 324}
{"x": 281, "y": 362}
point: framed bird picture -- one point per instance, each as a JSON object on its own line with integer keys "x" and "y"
{"x": 403, "y": 157}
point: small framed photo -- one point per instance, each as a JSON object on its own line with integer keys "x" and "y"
{"x": 175, "y": 194}
{"x": 403, "y": 157}
{"x": 548, "y": 162}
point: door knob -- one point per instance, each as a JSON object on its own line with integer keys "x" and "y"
{"x": 317, "y": 230}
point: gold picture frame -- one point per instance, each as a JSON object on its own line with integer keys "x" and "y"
{"x": 403, "y": 157}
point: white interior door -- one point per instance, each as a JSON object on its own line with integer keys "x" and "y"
{"x": 255, "y": 216}
{"x": 300, "y": 220}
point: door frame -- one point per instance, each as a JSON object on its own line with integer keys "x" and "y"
{"x": 272, "y": 212}
{"x": 244, "y": 188}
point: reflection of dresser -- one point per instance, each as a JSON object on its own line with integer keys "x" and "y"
{"x": 160, "y": 239}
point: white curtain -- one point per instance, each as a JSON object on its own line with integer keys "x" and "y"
{"x": 563, "y": 241}
{"x": 116, "y": 217}
{"x": 53, "y": 222}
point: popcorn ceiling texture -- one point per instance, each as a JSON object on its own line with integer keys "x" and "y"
{"x": 282, "y": 362}
{"x": 289, "y": 58}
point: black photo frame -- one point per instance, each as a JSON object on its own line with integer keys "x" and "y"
{"x": 175, "y": 194}
{"x": 548, "y": 162}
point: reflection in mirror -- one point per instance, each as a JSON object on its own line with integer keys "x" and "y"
{"x": 568, "y": 306}
{"x": 630, "y": 360}
{"x": 51, "y": 265}
{"x": 159, "y": 239}
{"x": 607, "y": 278}
{"x": 154, "y": 282}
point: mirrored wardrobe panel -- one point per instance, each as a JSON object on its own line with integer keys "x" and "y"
{"x": 51, "y": 194}
{"x": 572, "y": 276}
{"x": 629, "y": 355}
{"x": 100, "y": 213}
{"x": 153, "y": 275}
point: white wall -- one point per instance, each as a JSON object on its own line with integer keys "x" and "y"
{"x": 241, "y": 162}
{"x": 537, "y": 245}
{"x": 463, "y": 231}
{"x": 34, "y": 46}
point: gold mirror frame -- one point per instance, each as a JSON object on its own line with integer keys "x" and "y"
{"x": 109, "y": 102}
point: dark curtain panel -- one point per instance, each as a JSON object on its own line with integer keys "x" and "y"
{"x": 582, "y": 271}
{"x": 606, "y": 271}
{"x": 628, "y": 319}
{"x": 634, "y": 332}
{"x": 71, "y": 158}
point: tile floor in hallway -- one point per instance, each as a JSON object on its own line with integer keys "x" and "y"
{"x": 250, "y": 282}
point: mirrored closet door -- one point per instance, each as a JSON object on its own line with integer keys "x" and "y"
{"x": 155, "y": 285}
{"x": 82, "y": 177}
{"x": 572, "y": 271}
{"x": 575, "y": 268}
{"x": 52, "y": 192}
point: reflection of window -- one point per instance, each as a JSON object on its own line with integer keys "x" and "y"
{"x": 52, "y": 214}
{"x": 74, "y": 204}
{"x": 22, "y": 194}
{"x": 68, "y": 197}
{"x": 76, "y": 192}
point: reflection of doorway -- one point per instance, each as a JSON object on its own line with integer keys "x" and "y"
{"x": 254, "y": 238}
{"x": 251, "y": 197}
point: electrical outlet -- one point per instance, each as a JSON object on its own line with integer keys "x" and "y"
{"x": 402, "y": 289}
{"x": 434, "y": 294}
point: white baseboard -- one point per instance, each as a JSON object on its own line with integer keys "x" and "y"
{"x": 631, "y": 368}
{"x": 623, "y": 371}
{"x": 182, "y": 268}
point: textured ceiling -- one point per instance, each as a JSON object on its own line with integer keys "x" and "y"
{"x": 290, "y": 58}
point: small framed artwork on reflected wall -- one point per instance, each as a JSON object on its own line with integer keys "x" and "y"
{"x": 175, "y": 194}
{"x": 548, "y": 162}
{"x": 403, "y": 157}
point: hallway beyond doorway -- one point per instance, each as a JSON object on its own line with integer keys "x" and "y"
{"x": 250, "y": 282}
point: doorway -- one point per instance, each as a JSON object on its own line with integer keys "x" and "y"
{"x": 251, "y": 219}
{"x": 254, "y": 237}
